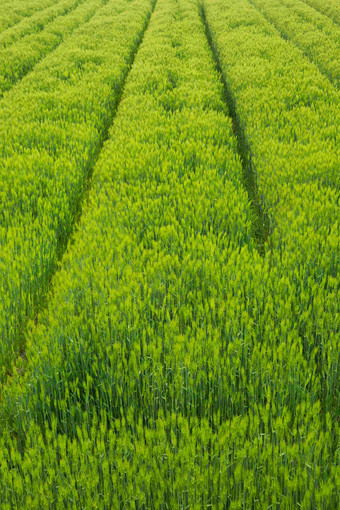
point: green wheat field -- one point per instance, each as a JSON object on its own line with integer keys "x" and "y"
{"x": 169, "y": 254}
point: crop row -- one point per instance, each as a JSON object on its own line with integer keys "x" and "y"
{"x": 140, "y": 301}
{"x": 14, "y": 11}
{"x": 35, "y": 23}
{"x": 53, "y": 124}
{"x": 313, "y": 33}
{"x": 175, "y": 366}
{"x": 330, "y": 8}
{"x": 19, "y": 58}
{"x": 289, "y": 114}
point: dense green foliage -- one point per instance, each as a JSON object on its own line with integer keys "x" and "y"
{"x": 37, "y": 22}
{"x": 292, "y": 139}
{"x": 15, "y": 11}
{"x": 18, "y": 58}
{"x": 53, "y": 125}
{"x": 313, "y": 33}
{"x": 330, "y": 8}
{"x": 188, "y": 353}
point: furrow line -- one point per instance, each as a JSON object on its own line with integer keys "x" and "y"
{"x": 19, "y": 59}
{"x": 293, "y": 141}
{"x": 323, "y": 47}
{"x": 34, "y": 24}
{"x": 327, "y": 8}
{"x": 261, "y": 223}
{"x": 40, "y": 209}
{"x": 13, "y": 18}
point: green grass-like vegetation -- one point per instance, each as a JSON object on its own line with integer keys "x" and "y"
{"x": 169, "y": 255}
